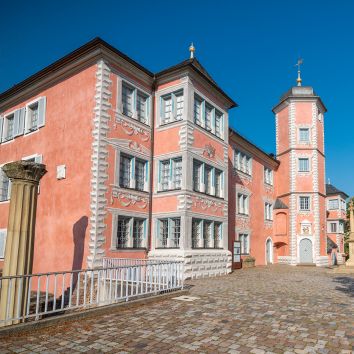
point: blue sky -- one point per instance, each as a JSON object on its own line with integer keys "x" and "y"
{"x": 249, "y": 47}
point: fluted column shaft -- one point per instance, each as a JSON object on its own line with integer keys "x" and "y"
{"x": 19, "y": 249}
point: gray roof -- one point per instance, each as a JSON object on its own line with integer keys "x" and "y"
{"x": 280, "y": 205}
{"x": 332, "y": 190}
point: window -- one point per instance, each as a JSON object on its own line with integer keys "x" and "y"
{"x": 341, "y": 227}
{"x": 245, "y": 243}
{"x": 4, "y": 186}
{"x": 169, "y": 232}
{"x": 172, "y": 107}
{"x": 268, "y": 176}
{"x": 333, "y": 227}
{"x": 304, "y": 165}
{"x": 170, "y": 174}
{"x": 35, "y": 115}
{"x": 304, "y": 203}
{"x": 208, "y": 117}
{"x": 268, "y": 211}
{"x": 242, "y": 204}
{"x": 130, "y": 232}
{"x": 8, "y": 128}
{"x": 135, "y": 103}
{"x": 304, "y": 135}
{"x": 207, "y": 179}
{"x": 343, "y": 204}
{"x": 333, "y": 204}
{"x": 206, "y": 234}
{"x": 133, "y": 173}
{"x": 243, "y": 162}
{"x": 2, "y": 243}
{"x": 12, "y": 125}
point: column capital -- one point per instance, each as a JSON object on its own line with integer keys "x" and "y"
{"x": 25, "y": 171}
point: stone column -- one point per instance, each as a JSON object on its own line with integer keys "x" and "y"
{"x": 24, "y": 176}
{"x": 350, "y": 261}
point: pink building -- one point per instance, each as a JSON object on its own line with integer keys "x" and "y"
{"x": 144, "y": 165}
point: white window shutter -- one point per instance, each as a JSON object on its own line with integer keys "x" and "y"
{"x": 1, "y": 125}
{"x": 19, "y": 121}
{"x": 41, "y": 111}
{"x": 2, "y": 243}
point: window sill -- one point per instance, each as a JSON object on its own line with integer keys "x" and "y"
{"x": 207, "y": 248}
{"x": 208, "y": 195}
{"x": 128, "y": 249}
{"x": 134, "y": 189}
{"x": 134, "y": 119}
{"x": 169, "y": 190}
{"x": 243, "y": 215}
{"x": 243, "y": 174}
{"x": 209, "y": 132}
{"x": 167, "y": 248}
{"x": 162, "y": 125}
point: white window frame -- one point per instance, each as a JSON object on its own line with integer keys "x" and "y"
{"x": 3, "y": 138}
{"x": 202, "y": 179}
{"x": 214, "y": 109}
{"x": 174, "y": 101}
{"x": 171, "y": 180}
{"x": 330, "y": 201}
{"x": 130, "y": 238}
{"x": 268, "y": 176}
{"x": 27, "y": 128}
{"x": 309, "y": 203}
{"x": 4, "y": 233}
{"x": 309, "y": 135}
{"x": 9, "y": 186}
{"x": 243, "y": 204}
{"x": 268, "y": 211}
{"x": 200, "y": 243}
{"x": 308, "y": 164}
{"x": 335, "y": 224}
{"x": 170, "y": 241}
{"x": 136, "y": 89}
{"x": 243, "y": 162}
{"x": 132, "y": 176}
{"x": 343, "y": 204}
{"x": 241, "y": 236}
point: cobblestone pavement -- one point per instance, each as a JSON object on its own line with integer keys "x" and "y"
{"x": 277, "y": 309}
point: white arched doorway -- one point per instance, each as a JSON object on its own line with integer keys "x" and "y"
{"x": 269, "y": 251}
{"x": 305, "y": 251}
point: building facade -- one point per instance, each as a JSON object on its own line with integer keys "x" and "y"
{"x": 144, "y": 165}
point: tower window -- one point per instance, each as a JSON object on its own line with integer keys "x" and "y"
{"x": 304, "y": 203}
{"x": 304, "y": 165}
{"x": 304, "y": 135}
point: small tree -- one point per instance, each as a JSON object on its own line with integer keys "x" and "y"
{"x": 347, "y": 228}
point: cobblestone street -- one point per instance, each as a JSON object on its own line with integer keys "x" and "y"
{"x": 277, "y": 309}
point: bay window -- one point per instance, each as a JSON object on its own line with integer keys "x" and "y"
{"x": 172, "y": 106}
{"x": 208, "y": 117}
{"x": 170, "y": 174}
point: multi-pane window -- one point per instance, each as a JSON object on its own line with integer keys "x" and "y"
{"x": 268, "y": 211}
{"x": 243, "y": 162}
{"x": 333, "y": 204}
{"x": 169, "y": 232}
{"x": 304, "y": 135}
{"x": 304, "y": 165}
{"x": 170, "y": 174}
{"x": 130, "y": 232}
{"x": 343, "y": 204}
{"x": 138, "y": 232}
{"x": 341, "y": 227}
{"x": 123, "y": 232}
{"x": 218, "y": 123}
{"x": 242, "y": 204}
{"x": 133, "y": 172}
{"x": 245, "y": 243}
{"x": 268, "y": 176}
{"x": 4, "y": 186}
{"x": 208, "y": 117}
{"x": 8, "y": 128}
{"x": 304, "y": 203}
{"x": 333, "y": 227}
{"x": 135, "y": 103}
{"x": 172, "y": 106}
{"x": 207, "y": 179}
{"x": 33, "y": 116}
{"x": 206, "y": 234}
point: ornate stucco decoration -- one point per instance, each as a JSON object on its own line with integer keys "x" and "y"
{"x": 209, "y": 151}
{"x": 131, "y": 129}
{"x": 205, "y": 204}
{"x": 127, "y": 199}
{"x": 242, "y": 223}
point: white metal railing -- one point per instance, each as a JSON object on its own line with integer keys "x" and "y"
{"x": 35, "y": 296}
{"x": 122, "y": 262}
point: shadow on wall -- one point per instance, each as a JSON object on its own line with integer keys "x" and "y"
{"x": 79, "y": 232}
{"x": 345, "y": 285}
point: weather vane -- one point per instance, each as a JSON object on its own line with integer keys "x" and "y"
{"x": 300, "y": 61}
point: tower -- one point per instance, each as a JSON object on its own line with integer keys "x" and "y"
{"x": 301, "y": 176}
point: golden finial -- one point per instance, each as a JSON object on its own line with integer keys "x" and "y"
{"x": 300, "y": 61}
{"x": 192, "y": 50}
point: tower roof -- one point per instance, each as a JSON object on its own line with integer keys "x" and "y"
{"x": 332, "y": 190}
{"x": 299, "y": 93}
